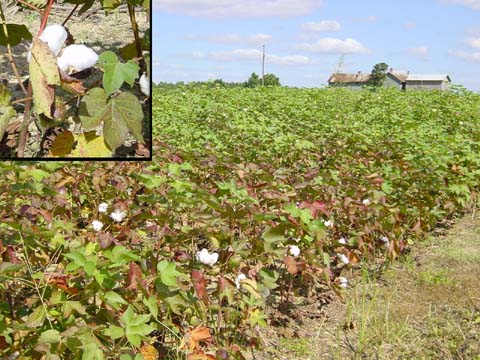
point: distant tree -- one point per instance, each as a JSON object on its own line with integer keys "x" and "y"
{"x": 252, "y": 81}
{"x": 379, "y": 72}
{"x": 272, "y": 80}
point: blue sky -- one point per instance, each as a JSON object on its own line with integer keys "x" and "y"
{"x": 305, "y": 39}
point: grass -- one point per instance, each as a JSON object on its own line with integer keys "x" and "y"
{"x": 426, "y": 306}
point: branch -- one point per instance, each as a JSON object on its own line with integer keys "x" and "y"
{"x": 28, "y": 105}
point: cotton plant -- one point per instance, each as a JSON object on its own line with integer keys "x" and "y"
{"x": 343, "y": 282}
{"x": 97, "y": 225}
{"x": 103, "y": 207}
{"x": 76, "y": 57}
{"x": 145, "y": 84}
{"x": 343, "y": 259}
{"x": 238, "y": 280}
{"x": 118, "y": 215}
{"x": 206, "y": 258}
{"x": 294, "y": 250}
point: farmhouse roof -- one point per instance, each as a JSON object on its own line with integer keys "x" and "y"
{"x": 400, "y": 76}
{"x": 349, "y": 78}
{"x": 428, "y": 77}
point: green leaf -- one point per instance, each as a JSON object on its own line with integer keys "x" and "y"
{"x": 91, "y": 351}
{"x": 116, "y": 73}
{"x": 168, "y": 273}
{"x": 16, "y": 33}
{"x": 136, "y": 326}
{"x": 151, "y": 304}
{"x": 50, "y": 337}
{"x": 6, "y": 267}
{"x": 114, "y": 299}
{"x": 115, "y": 332}
{"x": 109, "y": 5}
{"x": 120, "y": 115}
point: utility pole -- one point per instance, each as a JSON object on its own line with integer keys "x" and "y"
{"x": 263, "y": 67}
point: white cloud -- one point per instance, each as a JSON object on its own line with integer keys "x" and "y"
{"x": 473, "y": 31}
{"x": 238, "y": 8}
{"x": 467, "y": 56}
{"x": 409, "y": 25}
{"x": 198, "y": 55}
{"x": 472, "y": 4}
{"x": 334, "y": 46}
{"x": 473, "y": 42}
{"x": 232, "y": 38}
{"x": 322, "y": 26}
{"x": 368, "y": 19}
{"x": 256, "y": 55}
{"x": 420, "y": 52}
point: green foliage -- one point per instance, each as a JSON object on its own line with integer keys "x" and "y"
{"x": 16, "y": 33}
{"x": 6, "y": 111}
{"x": 379, "y": 72}
{"x": 120, "y": 115}
{"x": 246, "y": 174}
{"x": 116, "y": 73}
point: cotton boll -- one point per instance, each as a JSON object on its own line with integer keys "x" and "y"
{"x": 294, "y": 250}
{"x": 55, "y": 36}
{"x": 204, "y": 257}
{"x": 343, "y": 258}
{"x": 343, "y": 282}
{"x": 77, "y": 56}
{"x": 145, "y": 85}
{"x": 239, "y": 279}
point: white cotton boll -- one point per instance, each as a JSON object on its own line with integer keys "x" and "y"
{"x": 342, "y": 241}
{"x": 343, "y": 282}
{"x": 118, "y": 215}
{"x": 294, "y": 250}
{"x": 77, "y": 56}
{"x": 204, "y": 257}
{"x": 366, "y": 202}
{"x": 145, "y": 85}
{"x": 97, "y": 225}
{"x": 239, "y": 279}
{"x": 343, "y": 258}
{"x": 385, "y": 242}
{"x": 328, "y": 223}
{"x": 102, "y": 208}
{"x": 55, "y": 36}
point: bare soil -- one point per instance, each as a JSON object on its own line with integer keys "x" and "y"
{"x": 94, "y": 28}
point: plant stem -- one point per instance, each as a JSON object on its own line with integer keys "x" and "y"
{"x": 28, "y": 105}
{"x": 9, "y": 51}
{"x": 70, "y": 15}
{"x": 138, "y": 43}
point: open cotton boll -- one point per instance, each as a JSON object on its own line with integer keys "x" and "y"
{"x": 55, "y": 36}
{"x": 77, "y": 56}
{"x": 145, "y": 84}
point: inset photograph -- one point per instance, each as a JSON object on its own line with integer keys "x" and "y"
{"x": 75, "y": 79}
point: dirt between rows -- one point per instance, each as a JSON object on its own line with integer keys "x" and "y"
{"x": 94, "y": 28}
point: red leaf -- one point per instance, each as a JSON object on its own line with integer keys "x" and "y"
{"x": 314, "y": 207}
{"x": 200, "y": 285}
{"x": 135, "y": 277}
{"x": 291, "y": 265}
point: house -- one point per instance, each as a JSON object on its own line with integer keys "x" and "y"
{"x": 429, "y": 82}
{"x": 349, "y": 81}
{"x": 397, "y": 79}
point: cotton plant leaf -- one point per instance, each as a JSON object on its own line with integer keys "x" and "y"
{"x": 44, "y": 76}
{"x": 6, "y": 111}
{"x": 90, "y": 145}
{"x": 116, "y": 73}
{"x": 120, "y": 115}
{"x": 16, "y": 33}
